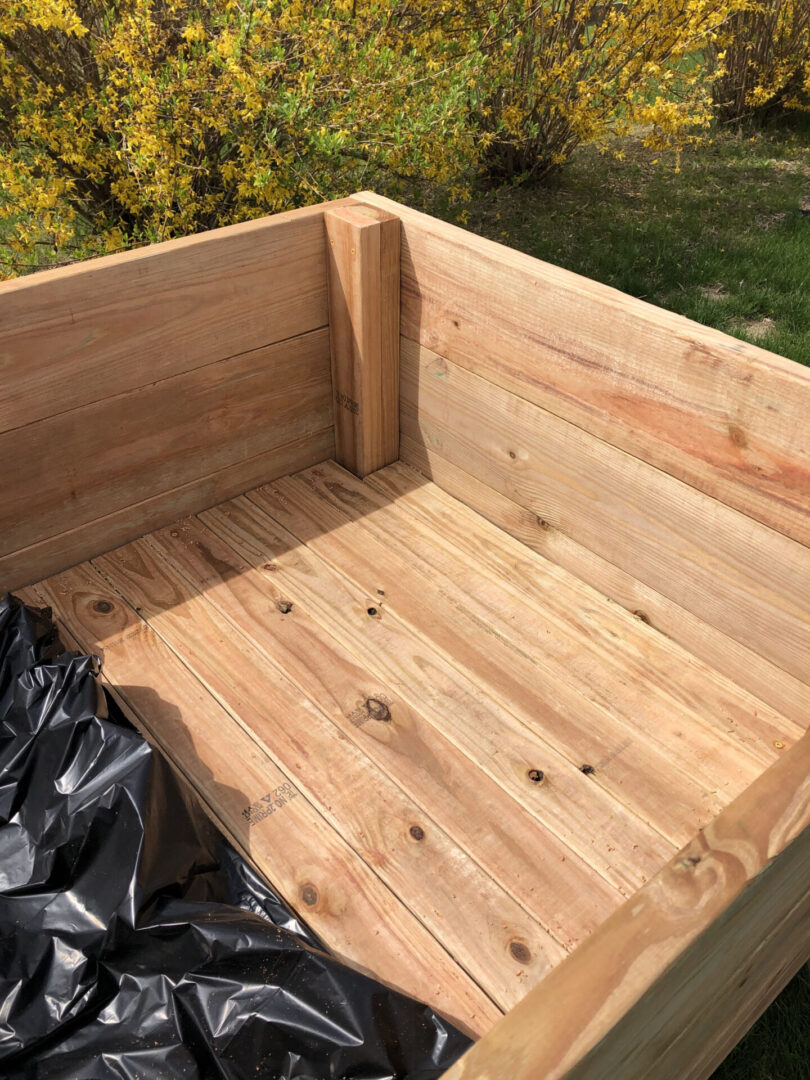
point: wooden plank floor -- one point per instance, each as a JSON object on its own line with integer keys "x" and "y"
{"x": 451, "y": 756}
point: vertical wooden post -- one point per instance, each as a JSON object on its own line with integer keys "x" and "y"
{"x": 363, "y": 260}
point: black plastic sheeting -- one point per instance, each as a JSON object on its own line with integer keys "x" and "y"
{"x": 134, "y": 941}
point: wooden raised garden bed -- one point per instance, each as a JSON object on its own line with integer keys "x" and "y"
{"x": 473, "y": 598}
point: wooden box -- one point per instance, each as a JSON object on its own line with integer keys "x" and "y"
{"x": 500, "y": 669}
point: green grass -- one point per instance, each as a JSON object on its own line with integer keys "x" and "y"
{"x": 778, "y": 1046}
{"x": 723, "y": 241}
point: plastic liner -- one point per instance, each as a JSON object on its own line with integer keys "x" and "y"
{"x": 134, "y": 941}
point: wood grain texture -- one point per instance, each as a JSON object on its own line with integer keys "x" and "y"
{"x": 430, "y": 874}
{"x": 547, "y": 877}
{"x": 312, "y": 866}
{"x": 363, "y": 276}
{"x": 47, "y": 557}
{"x": 497, "y": 707}
{"x": 727, "y": 417}
{"x": 68, "y": 469}
{"x": 746, "y": 580}
{"x": 77, "y": 335}
{"x": 673, "y": 979}
{"x": 658, "y": 686}
{"x": 742, "y": 665}
{"x": 578, "y": 688}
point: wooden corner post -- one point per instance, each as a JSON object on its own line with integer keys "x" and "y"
{"x": 363, "y": 260}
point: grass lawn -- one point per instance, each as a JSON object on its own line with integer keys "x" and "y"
{"x": 724, "y": 241}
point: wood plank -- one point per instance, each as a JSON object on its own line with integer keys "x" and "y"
{"x": 507, "y": 726}
{"x": 579, "y": 814}
{"x": 722, "y": 415}
{"x": 663, "y": 767}
{"x": 492, "y": 938}
{"x": 742, "y": 665}
{"x": 47, "y": 557}
{"x": 303, "y": 856}
{"x": 69, "y": 469}
{"x": 729, "y": 914}
{"x": 745, "y": 579}
{"x": 79, "y": 334}
{"x": 363, "y": 277}
{"x": 546, "y": 877}
{"x": 650, "y": 678}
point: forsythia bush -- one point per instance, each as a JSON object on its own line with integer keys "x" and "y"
{"x": 762, "y": 58}
{"x": 125, "y": 121}
{"x": 570, "y": 71}
{"x": 128, "y": 121}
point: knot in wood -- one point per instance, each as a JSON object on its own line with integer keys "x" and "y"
{"x": 309, "y": 894}
{"x": 377, "y": 710}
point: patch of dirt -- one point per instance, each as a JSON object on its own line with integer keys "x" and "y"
{"x": 796, "y": 167}
{"x": 767, "y": 221}
{"x": 714, "y": 292}
{"x": 755, "y": 328}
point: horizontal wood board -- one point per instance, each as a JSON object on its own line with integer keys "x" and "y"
{"x": 73, "y": 336}
{"x": 125, "y": 449}
{"x": 720, "y": 414}
{"x": 46, "y": 557}
{"x": 783, "y": 692}
{"x": 741, "y": 577}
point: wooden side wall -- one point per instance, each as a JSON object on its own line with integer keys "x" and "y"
{"x": 665, "y": 463}
{"x": 143, "y": 386}
{"x": 670, "y": 982}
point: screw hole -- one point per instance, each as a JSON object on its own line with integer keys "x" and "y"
{"x": 372, "y": 611}
{"x": 537, "y": 776}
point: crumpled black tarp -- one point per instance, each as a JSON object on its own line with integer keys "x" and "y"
{"x": 134, "y": 941}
